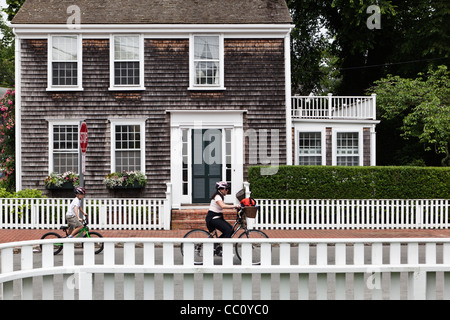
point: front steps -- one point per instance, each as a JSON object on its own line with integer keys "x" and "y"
{"x": 194, "y": 218}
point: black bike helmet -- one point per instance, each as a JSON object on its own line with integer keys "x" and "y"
{"x": 80, "y": 190}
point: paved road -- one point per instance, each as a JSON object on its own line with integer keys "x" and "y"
{"x": 12, "y": 235}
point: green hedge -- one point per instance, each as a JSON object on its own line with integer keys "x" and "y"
{"x": 332, "y": 182}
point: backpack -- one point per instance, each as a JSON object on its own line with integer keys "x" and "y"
{"x": 248, "y": 202}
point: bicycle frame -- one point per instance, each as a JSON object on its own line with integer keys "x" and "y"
{"x": 238, "y": 223}
{"x": 83, "y": 230}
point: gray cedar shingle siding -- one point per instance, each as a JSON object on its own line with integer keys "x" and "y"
{"x": 156, "y": 12}
{"x": 166, "y": 82}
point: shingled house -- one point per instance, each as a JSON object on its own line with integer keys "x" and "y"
{"x": 177, "y": 89}
{"x": 187, "y": 91}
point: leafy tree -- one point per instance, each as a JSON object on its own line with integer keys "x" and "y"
{"x": 422, "y": 104}
{"x": 13, "y": 8}
{"x": 413, "y": 37}
{"x": 7, "y": 48}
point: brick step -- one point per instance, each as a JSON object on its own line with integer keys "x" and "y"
{"x": 195, "y": 218}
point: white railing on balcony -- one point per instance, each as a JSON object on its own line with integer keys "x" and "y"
{"x": 334, "y": 107}
{"x": 145, "y": 268}
{"x": 352, "y": 214}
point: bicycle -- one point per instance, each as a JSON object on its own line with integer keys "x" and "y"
{"x": 240, "y": 223}
{"x": 84, "y": 232}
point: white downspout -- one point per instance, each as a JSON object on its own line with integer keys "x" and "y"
{"x": 18, "y": 113}
{"x": 287, "y": 68}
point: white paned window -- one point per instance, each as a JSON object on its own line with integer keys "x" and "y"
{"x": 63, "y": 148}
{"x": 64, "y": 71}
{"x": 128, "y": 141}
{"x": 347, "y": 149}
{"x": 310, "y": 148}
{"x": 206, "y": 54}
{"x": 228, "y": 157}
{"x": 127, "y": 69}
{"x": 185, "y": 136}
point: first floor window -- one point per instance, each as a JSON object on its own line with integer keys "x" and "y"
{"x": 347, "y": 149}
{"x": 65, "y": 148}
{"x": 310, "y": 148}
{"x": 128, "y": 146}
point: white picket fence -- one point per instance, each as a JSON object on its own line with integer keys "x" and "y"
{"x": 145, "y": 214}
{"x": 289, "y": 269}
{"x": 353, "y": 214}
{"x": 50, "y": 213}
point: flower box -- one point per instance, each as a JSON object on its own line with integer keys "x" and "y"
{"x": 62, "y": 181}
{"x": 64, "y": 186}
{"x": 125, "y": 180}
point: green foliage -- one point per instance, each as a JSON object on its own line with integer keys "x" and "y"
{"x": 411, "y": 39}
{"x": 27, "y": 193}
{"x": 423, "y": 106}
{"x": 13, "y": 7}
{"x": 332, "y": 182}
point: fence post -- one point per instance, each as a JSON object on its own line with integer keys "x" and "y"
{"x": 167, "y": 207}
{"x": 330, "y": 105}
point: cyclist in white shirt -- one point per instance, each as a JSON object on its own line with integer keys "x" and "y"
{"x": 73, "y": 216}
{"x": 214, "y": 218}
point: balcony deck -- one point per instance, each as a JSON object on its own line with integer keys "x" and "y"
{"x": 334, "y": 107}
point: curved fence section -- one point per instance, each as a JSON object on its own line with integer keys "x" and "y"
{"x": 148, "y": 268}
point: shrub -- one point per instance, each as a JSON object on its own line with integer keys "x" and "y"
{"x": 326, "y": 182}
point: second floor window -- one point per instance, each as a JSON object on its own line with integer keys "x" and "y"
{"x": 65, "y": 62}
{"x": 127, "y": 55}
{"x": 207, "y": 62}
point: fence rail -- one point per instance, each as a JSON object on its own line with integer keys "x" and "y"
{"x": 289, "y": 269}
{"x": 50, "y": 213}
{"x": 353, "y": 214}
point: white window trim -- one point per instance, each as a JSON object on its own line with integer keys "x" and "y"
{"x": 52, "y": 124}
{"x": 322, "y": 138}
{"x": 50, "y": 86}
{"x": 114, "y": 87}
{"x": 192, "y": 85}
{"x": 130, "y": 122}
{"x": 335, "y": 131}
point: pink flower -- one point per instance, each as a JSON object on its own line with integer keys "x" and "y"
{"x": 10, "y": 102}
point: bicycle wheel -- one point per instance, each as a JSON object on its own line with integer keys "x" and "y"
{"x": 256, "y": 247}
{"x": 198, "y": 247}
{"x": 98, "y": 245}
{"x": 57, "y": 247}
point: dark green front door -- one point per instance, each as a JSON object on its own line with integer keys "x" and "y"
{"x": 206, "y": 163}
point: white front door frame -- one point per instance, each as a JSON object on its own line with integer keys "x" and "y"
{"x": 205, "y": 119}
